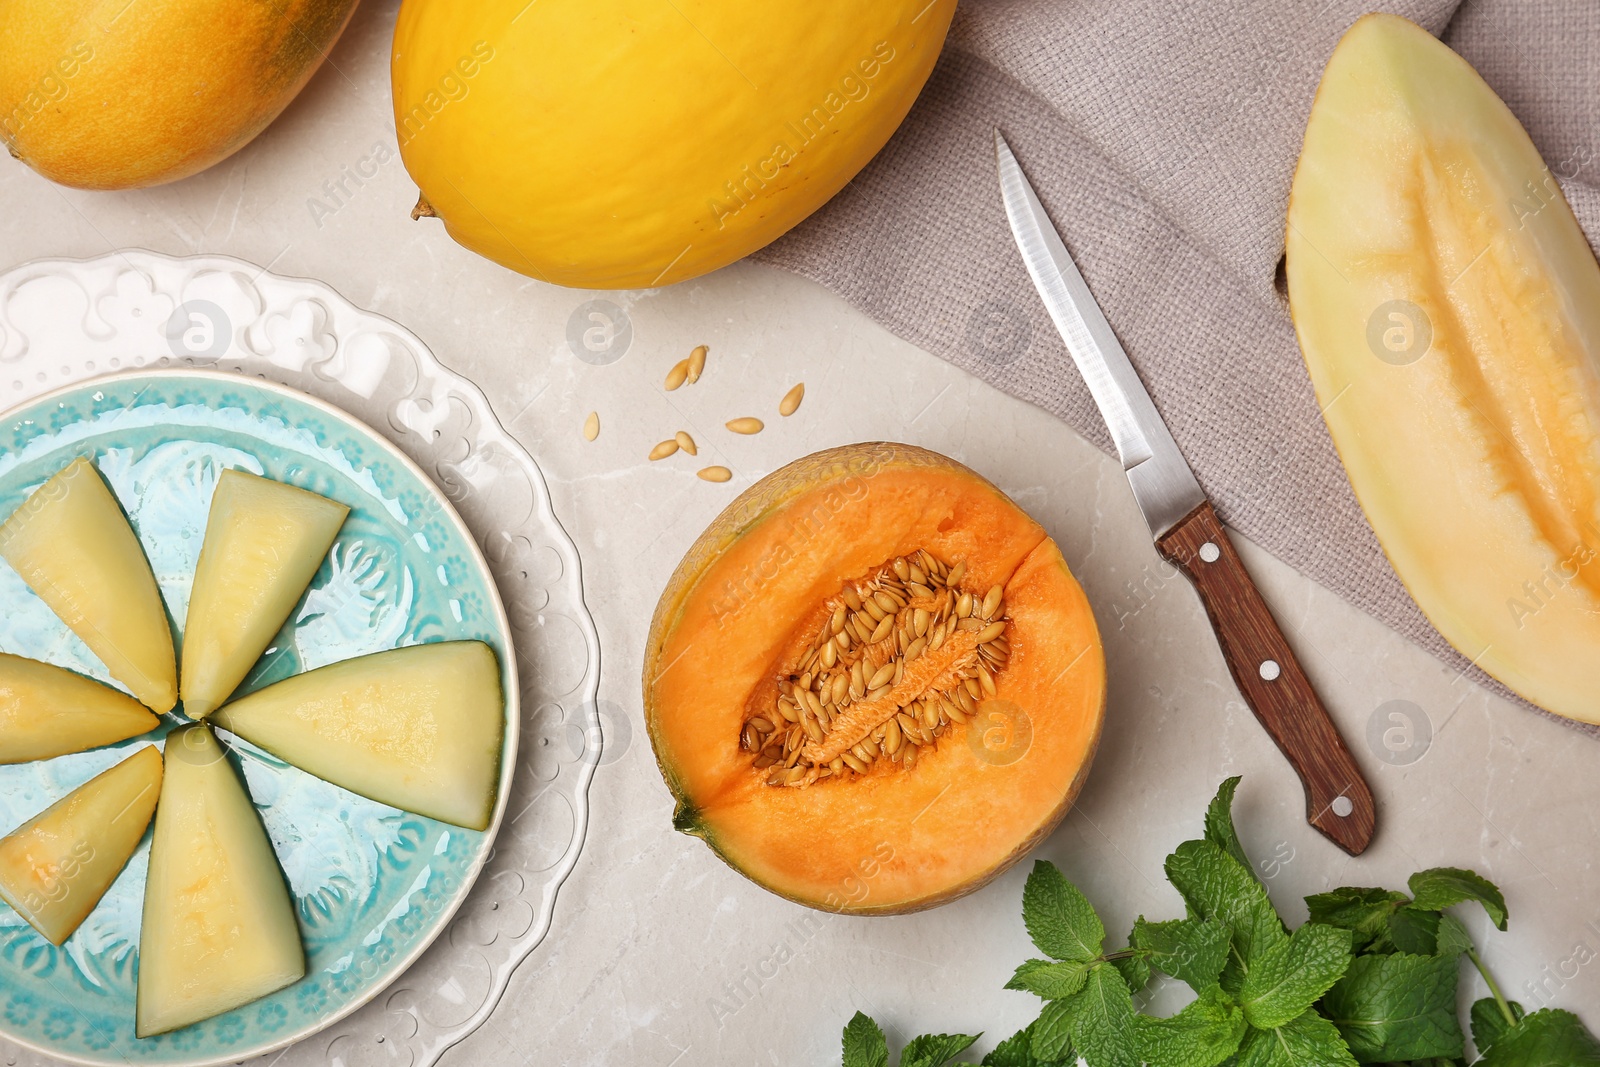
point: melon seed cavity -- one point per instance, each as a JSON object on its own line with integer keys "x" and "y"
{"x": 903, "y": 657}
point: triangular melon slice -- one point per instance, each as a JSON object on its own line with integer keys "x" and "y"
{"x": 73, "y": 546}
{"x": 419, "y": 728}
{"x": 55, "y": 867}
{"x": 46, "y": 711}
{"x": 264, "y": 543}
{"x": 219, "y": 926}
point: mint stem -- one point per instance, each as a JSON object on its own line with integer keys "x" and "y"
{"x": 1494, "y": 988}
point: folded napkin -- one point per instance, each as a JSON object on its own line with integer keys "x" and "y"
{"x": 1162, "y": 137}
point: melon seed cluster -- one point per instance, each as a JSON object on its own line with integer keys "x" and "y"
{"x": 903, "y": 656}
{"x": 687, "y": 371}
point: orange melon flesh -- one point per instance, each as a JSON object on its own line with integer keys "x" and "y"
{"x": 757, "y": 586}
{"x": 1448, "y": 307}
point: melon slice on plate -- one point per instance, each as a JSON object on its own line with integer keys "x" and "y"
{"x": 46, "y": 711}
{"x": 73, "y": 546}
{"x": 55, "y": 867}
{"x": 264, "y": 543}
{"x": 419, "y": 728}
{"x": 219, "y": 926}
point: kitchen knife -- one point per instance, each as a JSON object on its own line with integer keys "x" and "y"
{"x": 1187, "y": 532}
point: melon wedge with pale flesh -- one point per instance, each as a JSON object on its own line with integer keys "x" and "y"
{"x": 264, "y": 543}
{"x": 47, "y": 711}
{"x": 55, "y": 867}
{"x": 73, "y": 546}
{"x": 418, "y": 728}
{"x": 219, "y": 925}
{"x": 1448, "y": 306}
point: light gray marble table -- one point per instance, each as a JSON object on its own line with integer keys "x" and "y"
{"x": 659, "y": 953}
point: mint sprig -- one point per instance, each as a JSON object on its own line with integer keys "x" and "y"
{"x": 1372, "y": 978}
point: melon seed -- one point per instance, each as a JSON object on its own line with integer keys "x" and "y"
{"x": 663, "y": 450}
{"x": 591, "y": 426}
{"x": 686, "y": 442}
{"x": 791, "y": 400}
{"x": 677, "y": 375}
{"x": 746, "y": 425}
{"x": 697, "y": 363}
{"x": 716, "y": 474}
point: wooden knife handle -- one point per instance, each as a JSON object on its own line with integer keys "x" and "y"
{"x": 1338, "y": 802}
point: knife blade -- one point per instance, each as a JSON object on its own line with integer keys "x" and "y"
{"x": 1187, "y": 532}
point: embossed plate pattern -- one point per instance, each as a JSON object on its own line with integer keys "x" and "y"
{"x": 66, "y": 321}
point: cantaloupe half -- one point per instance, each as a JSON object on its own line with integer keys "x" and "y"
{"x": 219, "y": 927}
{"x": 1448, "y": 307}
{"x": 46, "y": 711}
{"x": 419, "y": 728}
{"x": 264, "y": 543}
{"x": 73, "y": 546}
{"x": 55, "y": 867}
{"x": 873, "y": 684}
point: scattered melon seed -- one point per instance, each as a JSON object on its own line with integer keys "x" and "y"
{"x": 697, "y": 363}
{"x": 791, "y": 400}
{"x": 677, "y": 375}
{"x": 686, "y": 442}
{"x": 746, "y": 425}
{"x": 663, "y": 450}
{"x": 716, "y": 474}
{"x": 591, "y": 426}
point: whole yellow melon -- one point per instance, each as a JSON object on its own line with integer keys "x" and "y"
{"x": 122, "y": 95}
{"x": 629, "y": 143}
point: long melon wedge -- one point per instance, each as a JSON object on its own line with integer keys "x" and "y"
{"x": 264, "y": 543}
{"x": 55, "y": 867}
{"x": 219, "y": 927}
{"x": 46, "y": 711}
{"x": 1448, "y": 307}
{"x": 419, "y": 728}
{"x": 73, "y": 546}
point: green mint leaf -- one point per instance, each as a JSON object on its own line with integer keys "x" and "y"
{"x": 935, "y": 1050}
{"x": 1192, "y": 950}
{"x": 1453, "y": 938}
{"x": 1219, "y": 824}
{"x": 1049, "y": 979}
{"x": 1059, "y": 918}
{"x": 1292, "y": 975}
{"x": 1547, "y": 1038}
{"x": 864, "y": 1044}
{"x": 1364, "y": 912}
{"x": 1398, "y": 1007}
{"x": 1216, "y": 887}
{"x": 1489, "y": 1022}
{"x": 1017, "y": 1051}
{"x": 1134, "y": 970}
{"x": 1100, "y": 1019}
{"x": 1052, "y": 1034}
{"x": 1308, "y": 1040}
{"x": 1203, "y": 1034}
{"x": 1415, "y": 931}
{"x": 1441, "y": 887}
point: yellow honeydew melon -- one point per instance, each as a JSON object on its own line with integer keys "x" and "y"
{"x": 418, "y": 728}
{"x": 46, "y": 711}
{"x": 611, "y": 144}
{"x": 264, "y": 543}
{"x": 1448, "y": 307}
{"x": 73, "y": 546}
{"x": 55, "y": 867}
{"x": 219, "y": 926}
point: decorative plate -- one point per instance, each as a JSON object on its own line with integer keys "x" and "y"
{"x": 374, "y": 886}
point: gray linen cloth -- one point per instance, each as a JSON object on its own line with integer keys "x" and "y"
{"x": 1162, "y": 136}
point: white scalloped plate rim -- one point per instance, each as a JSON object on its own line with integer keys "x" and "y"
{"x": 155, "y": 264}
